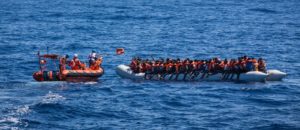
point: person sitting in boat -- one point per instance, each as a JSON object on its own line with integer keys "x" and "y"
{"x": 255, "y": 64}
{"x": 232, "y": 68}
{"x": 156, "y": 67}
{"x": 219, "y": 67}
{"x": 75, "y": 63}
{"x": 148, "y": 67}
{"x": 63, "y": 62}
{"x": 133, "y": 65}
{"x": 262, "y": 65}
{"x": 249, "y": 64}
{"x": 226, "y": 70}
{"x": 143, "y": 67}
{"x": 205, "y": 68}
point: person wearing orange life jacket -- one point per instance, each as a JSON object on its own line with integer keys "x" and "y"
{"x": 155, "y": 67}
{"x": 226, "y": 69}
{"x": 220, "y": 66}
{"x": 249, "y": 64}
{"x": 195, "y": 69}
{"x": 262, "y": 65}
{"x": 211, "y": 66}
{"x": 161, "y": 67}
{"x": 206, "y": 68}
{"x": 201, "y": 65}
{"x": 240, "y": 67}
{"x": 172, "y": 67}
{"x": 255, "y": 64}
{"x": 195, "y": 65}
{"x": 75, "y": 63}
{"x": 190, "y": 66}
{"x": 96, "y": 65}
{"x": 144, "y": 67}
{"x": 168, "y": 66}
{"x": 148, "y": 69}
{"x": 63, "y": 62}
{"x": 233, "y": 68}
{"x": 133, "y": 65}
{"x": 178, "y": 66}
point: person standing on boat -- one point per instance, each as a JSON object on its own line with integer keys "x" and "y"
{"x": 92, "y": 58}
{"x": 97, "y": 63}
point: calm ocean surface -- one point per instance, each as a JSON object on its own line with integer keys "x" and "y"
{"x": 171, "y": 28}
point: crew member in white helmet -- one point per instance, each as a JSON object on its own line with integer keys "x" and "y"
{"x": 92, "y": 57}
{"x": 75, "y": 64}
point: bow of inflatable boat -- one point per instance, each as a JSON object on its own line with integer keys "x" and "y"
{"x": 125, "y": 72}
{"x": 253, "y": 76}
{"x": 275, "y": 75}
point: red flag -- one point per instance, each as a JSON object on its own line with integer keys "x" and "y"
{"x": 120, "y": 51}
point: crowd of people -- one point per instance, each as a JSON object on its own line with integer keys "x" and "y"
{"x": 75, "y": 64}
{"x": 211, "y": 66}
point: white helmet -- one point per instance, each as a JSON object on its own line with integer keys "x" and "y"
{"x": 75, "y": 55}
{"x": 94, "y": 54}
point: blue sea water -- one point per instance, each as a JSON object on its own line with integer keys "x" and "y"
{"x": 170, "y": 28}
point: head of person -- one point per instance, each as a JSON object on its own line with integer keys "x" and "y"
{"x": 75, "y": 55}
{"x": 93, "y": 54}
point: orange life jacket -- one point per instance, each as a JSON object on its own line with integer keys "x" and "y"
{"x": 255, "y": 64}
{"x": 222, "y": 65}
{"x": 211, "y": 66}
{"x": 133, "y": 65}
{"x": 148, "y": 67}
{"x": 177, "y": 66}
{"x": 96, "y": 64}
{"x": 199, "y": 64}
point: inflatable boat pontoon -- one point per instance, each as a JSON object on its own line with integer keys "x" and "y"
{"x": 251, "y": 76}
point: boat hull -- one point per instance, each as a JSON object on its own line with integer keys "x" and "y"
{"x": 252, "y": 76}
{"x": 69, "y": 75}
